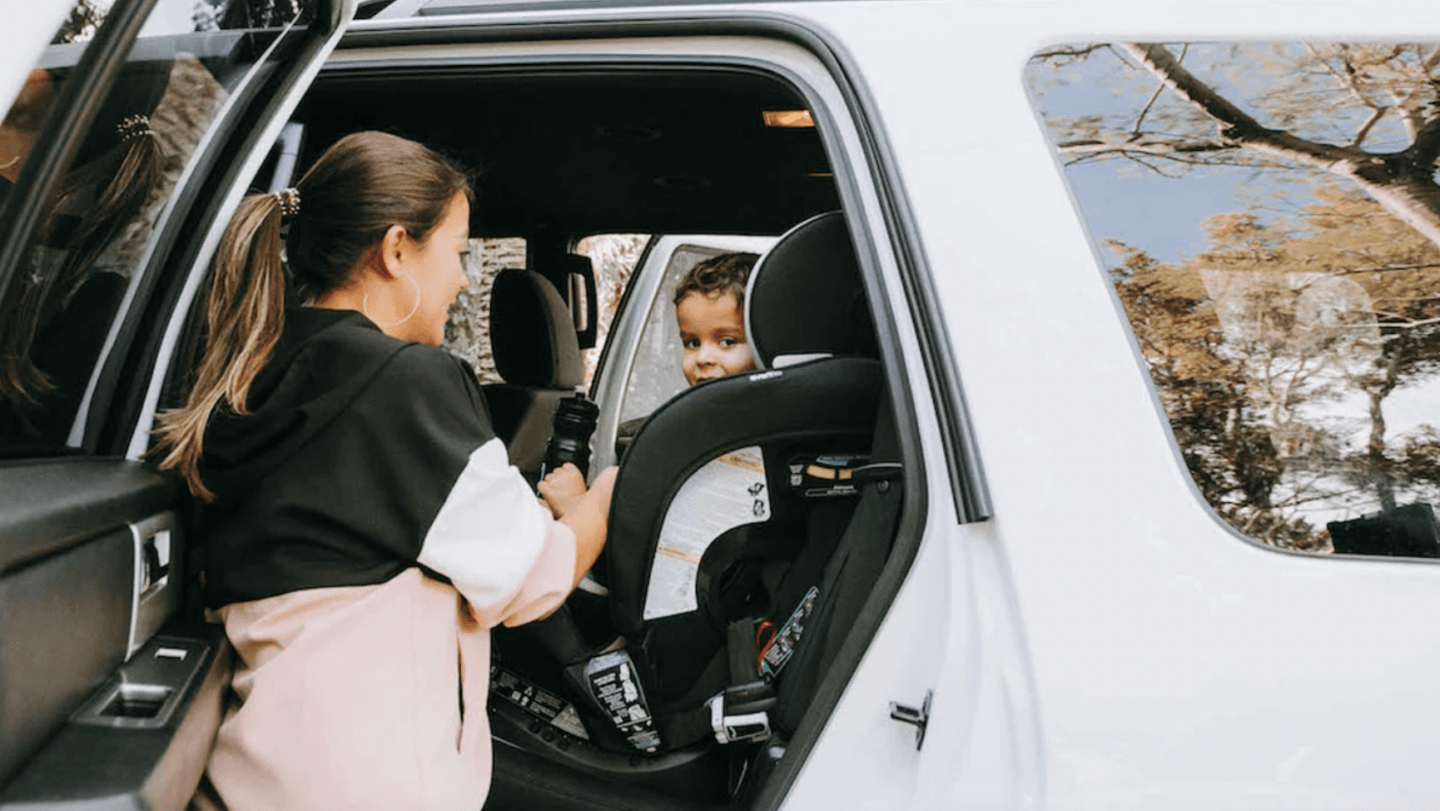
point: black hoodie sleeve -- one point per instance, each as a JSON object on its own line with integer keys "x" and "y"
{"x": 408, "y": 472}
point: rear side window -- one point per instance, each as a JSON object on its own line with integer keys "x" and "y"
{"x": 95, "y": 202}
{"x": 1269, "y": 217}
{"x": 467, "y": 333}
{"x": 614, "y": 257}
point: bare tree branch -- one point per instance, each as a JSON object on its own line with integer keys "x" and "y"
{"x": 1235, "y": 125}
{"x": 1375, "y": 116}
{"x": 1140, "y": 119}
{"x": 1347, "y": 81}
{"x": 1426, "y": 147}
{"x": 1160, "y": 88}
{"x": 1403, "y": 183}
{"x": 1162, "y": 149}
{"x": 1068, "y": 51}
{"x": 1386, "y": 269}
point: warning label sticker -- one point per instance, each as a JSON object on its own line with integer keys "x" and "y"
{"x": 616, "y": 689}
{"x": 779, "y": 650}
{"x": 727, "y": 492}
{"x": 540, "y": 703}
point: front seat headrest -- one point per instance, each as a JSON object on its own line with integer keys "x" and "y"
{"x": 806, "y": 299}
{"x": 531, "y": 333}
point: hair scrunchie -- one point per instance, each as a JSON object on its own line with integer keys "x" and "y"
{"x": 289, "y": 203}
{"x": 132, "y": 127}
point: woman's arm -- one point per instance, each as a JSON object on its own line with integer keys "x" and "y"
{"x": 585, "y": 512}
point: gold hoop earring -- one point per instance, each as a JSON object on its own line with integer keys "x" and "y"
{"x": 365, "y": 306}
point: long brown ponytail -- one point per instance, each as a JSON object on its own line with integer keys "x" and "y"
{"x": 243, "y": 319}
{"x": 358, "y": 189}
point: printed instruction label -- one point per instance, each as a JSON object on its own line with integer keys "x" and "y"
{"x": 726, "y": 492}
{"x": 779, "y": 651}
{"x": 613, "y": 682}
{"x": 542, "y": 704}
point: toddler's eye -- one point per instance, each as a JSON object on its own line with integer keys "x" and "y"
{"x": 728, "y": 342}
{"x": 690, "y": 343}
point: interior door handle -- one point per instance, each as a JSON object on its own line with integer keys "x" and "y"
{"x": 156, "y": 596}
{"x": 154, "y": 551}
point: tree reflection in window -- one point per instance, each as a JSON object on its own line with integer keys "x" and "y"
{"x": 1271, "y": 217}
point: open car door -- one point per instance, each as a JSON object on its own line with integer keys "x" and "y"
{"x": 117, "y": 151}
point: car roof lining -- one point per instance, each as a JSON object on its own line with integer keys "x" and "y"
{"x": 625, "y": 148}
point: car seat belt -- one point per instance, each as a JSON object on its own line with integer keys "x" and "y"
{"x": 756, "y": 651}
{"x": 849, "y": 575}
{"x": 700, "y": 713}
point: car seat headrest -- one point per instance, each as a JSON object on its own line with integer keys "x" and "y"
{"x": 805, "y": 298}
{"x": 531, "y": 333}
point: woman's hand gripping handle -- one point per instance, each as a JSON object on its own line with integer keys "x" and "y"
{"x": 585, "y": 512}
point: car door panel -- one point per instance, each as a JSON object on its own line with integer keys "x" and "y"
{"x": 68, "y": 578}
{"x": 57, "y": 642}
{"x": 105, "y": 758}
{"x": 110, "y": 694}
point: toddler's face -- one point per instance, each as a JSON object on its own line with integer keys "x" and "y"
{"x": 712, "y": 332}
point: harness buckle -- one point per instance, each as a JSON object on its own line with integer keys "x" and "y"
{"x": 739, "y": 713}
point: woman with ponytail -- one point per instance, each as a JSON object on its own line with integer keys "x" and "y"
{"x": 362, "y": 528}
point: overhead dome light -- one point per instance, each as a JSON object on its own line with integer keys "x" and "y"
{"x": 788, "y": 118}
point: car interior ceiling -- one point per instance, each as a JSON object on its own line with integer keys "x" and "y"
{"x": 563, "y": 153}
{"x": 635, "y": 150}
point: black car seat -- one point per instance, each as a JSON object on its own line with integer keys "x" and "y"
{"x": 819, "y": 396}
{"x": 537, "y": 354}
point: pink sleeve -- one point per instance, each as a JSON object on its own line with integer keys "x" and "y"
{"x": 544, "y": 588}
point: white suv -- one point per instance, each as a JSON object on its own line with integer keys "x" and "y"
{"x": 1090, "y": 459}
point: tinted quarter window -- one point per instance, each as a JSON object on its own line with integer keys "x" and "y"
{"x": 467, "y": 333}
{"x": 614, "y": 257}
{"x": 1268, "y": 216}
{"x": 97, "y": 222}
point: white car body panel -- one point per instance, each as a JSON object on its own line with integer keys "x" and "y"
{"x": 28, "y": 27}
{"x": 1177, "y": 665}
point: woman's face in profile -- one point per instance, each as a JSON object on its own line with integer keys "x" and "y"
{"x": 439, "y": 271}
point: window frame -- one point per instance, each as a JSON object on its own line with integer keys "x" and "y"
{"x": 78, "y": 102}
{"x": 149, "y": 334}
{"x": 894, "y": 268}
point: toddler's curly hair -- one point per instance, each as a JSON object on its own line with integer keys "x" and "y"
{"x": 726, "y": 273}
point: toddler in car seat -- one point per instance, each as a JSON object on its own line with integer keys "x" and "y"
{"x": 710, "y": 309}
